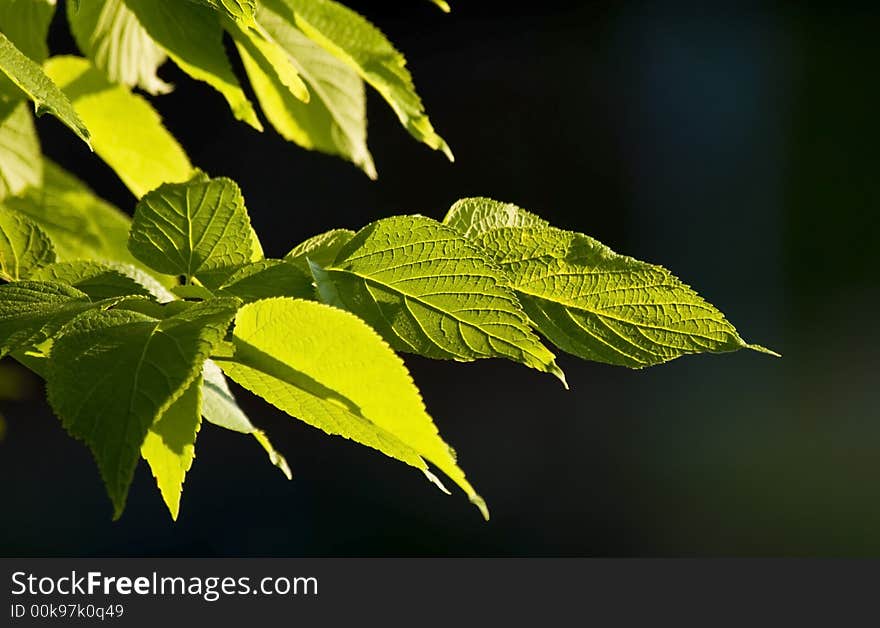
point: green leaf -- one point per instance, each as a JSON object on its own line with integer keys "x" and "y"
{"x": 329, "y": 369}
{"x": 24, "y": 247}
{"x": 268, "y": 278}
{"x": 146, "y": 154}
{"x": 590, "y": 301}
{"x": 169, "y": 447}
{"x": 353, "y": 40}
{"x": 321, "y": 249}
{"x": 220, "y": 408}
{"x": 112, "y": 374}
{"x": 32, "y": 312}
{"x": 427, "y": 290}
{"x": 98, "y": 280}
{"x": 20, "y": 159}
{"x": 26, "y": 24}
{"x": 271, "y": 58}
{"x": 473, "y": 217}
{"x": 83, "y": 226}
{"x": 110, "y": 35}
{"x": 193, "y": 38}
{"x": 30, "y": 78}
{"x": 197, "y": 229}
{"x": 240, "y": 10}
{"x": 334, "y": 121}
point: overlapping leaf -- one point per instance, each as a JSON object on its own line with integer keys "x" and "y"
{"x": 111, "y": 36}
{"x": 146, "y": 154}
{"x": 169, "y": 446}
{"x": 192, "y": 36}
{"x": 329, "y": 369}
{"x": 114, "y": 373}
{"x": 32, "y": 312}
{"x": 429, "y": 291}
{"x": 196, "y": 229}
{"x": 33, "y": 81}
{"x": 268, "y": 278}
{"x": 334, "y": 120}
{"x": 99, "y": 280}
{"x": 220, "y": 408}
{"x": 269, "y": 57}
{"x": 590, "y": 301}
{"x": 356, "y": 42}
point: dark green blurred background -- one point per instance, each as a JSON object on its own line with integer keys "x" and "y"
{"x": 736, "y": 145}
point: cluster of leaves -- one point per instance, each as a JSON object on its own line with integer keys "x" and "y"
{"x": 134, "y": 350}
{"x": 135, "y": 324}
{"x": 307, "y": 62}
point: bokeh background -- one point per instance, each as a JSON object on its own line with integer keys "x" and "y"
{"x": 736, "y": 144}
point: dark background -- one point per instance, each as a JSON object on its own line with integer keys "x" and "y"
{"x": 737, "y": 145}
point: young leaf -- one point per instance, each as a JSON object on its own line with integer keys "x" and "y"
{"x": 193, "y": 38}
{"x": 220, "y": 408}
{"x": 427, "y": 290}
{"x": 26, "y": 24}
{"x": 328, "y": 368}
{"x": 30, "y": 78}
{"x": 24, "y": 247}
{"x": 112, "y": 374}
{"x": 146, "y": 154}
{"x": 97, "y": 280}
{"x": 334, "y": 121}
{"x": 110, "y": 35}
{"x": 169, "y": 447}
{"x": 198, "y": 229}
{"x": 21, "y": 164}
{"x": 31, "y": 312}
{"x": 590, "y": 301}
{"x": 355, "y": 41}
{"x": 321, "y": 249}
{"x": 473, "y": 217}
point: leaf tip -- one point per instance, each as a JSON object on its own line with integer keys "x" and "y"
{"x": 559, "y": 374}
{"x": 448, "y": 152}
{"x": 765, "y": 350}
{"x": 480, "y": 503}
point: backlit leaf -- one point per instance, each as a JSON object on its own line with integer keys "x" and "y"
{"x": 334, "y": 120}
{"x": 113, "y": 373}
{"x": 329, "y": 369}
{"x": 197, "y": 229}
{"x": 169, "y": 447}
{"x": 145, "y": 155}
{"x": 192, "y": 36}
{"x": 356, "y": 42}
{"x": 427, "y": 290}
{"x": 590, "y": 301}
{"x": 111, "y": 36}
{"x": 33, "y": 81}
